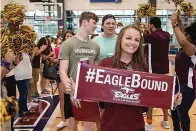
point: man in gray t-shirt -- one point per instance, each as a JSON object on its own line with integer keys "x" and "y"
{"x": 71, "y": 52}
{"x": 74, "y": 50}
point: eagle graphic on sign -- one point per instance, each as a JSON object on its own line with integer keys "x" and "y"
{"x": 127, "y": 89}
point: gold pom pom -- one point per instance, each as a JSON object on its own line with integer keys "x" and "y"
{"x": 146, "y": 10}
{"x": 28, "y": 33}
{"x": 176, "y": 2}
{"x": 9, "y": 108}
{"x": 4, "y": 41}
{"x": 187, "y": 8}
{"x": 14, "y": 13}
{"x": 120, "y": 24}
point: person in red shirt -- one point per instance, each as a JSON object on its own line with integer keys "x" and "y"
{"x": 128, "y": 54}
{"x": 185, "y": 68}
{"x": 159, "y": 41}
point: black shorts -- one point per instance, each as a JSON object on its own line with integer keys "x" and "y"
{"x": 145, "y": 109}
{"x": 58, "y": 80}
{"x": 67, "y": 106}
{"x": 101, "y": 105}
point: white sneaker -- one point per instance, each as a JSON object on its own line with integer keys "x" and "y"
{"x": 35, "y": 100}
{"x": 148, "y": 127}
{"x": 61, "y": 125}
{"x": 165, "y": 124}
{"x": 32, "y": 104}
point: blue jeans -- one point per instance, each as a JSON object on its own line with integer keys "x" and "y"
{"x": 180, "y": 114}
{"x": 23, "y": 86}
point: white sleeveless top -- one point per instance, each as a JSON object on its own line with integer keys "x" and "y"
{"x": 24, "y": 69}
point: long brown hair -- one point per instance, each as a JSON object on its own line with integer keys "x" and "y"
{"x": 137, "y": 57}
{"x": 68, "y": 31}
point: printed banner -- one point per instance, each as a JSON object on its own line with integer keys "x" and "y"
{"x": 124, "y": 86}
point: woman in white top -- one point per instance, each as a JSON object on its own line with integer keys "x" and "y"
{"x": 23, "y": 73}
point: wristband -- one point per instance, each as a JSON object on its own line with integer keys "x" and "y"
{"x": 5, "y": 64}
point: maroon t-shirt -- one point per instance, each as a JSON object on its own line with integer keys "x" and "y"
{"x": 182, "y": 65}
{"x": 159, "y": 41}
{"x": 119, "y": 117}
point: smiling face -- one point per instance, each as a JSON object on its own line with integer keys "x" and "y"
{"x": 130, "y": 41}
{"x": 90, "y": 26}
{"x": 129, "y": 47}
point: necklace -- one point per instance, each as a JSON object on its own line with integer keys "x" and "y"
{"x": 128, "y": 66}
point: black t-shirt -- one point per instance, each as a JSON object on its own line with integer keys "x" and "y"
{"x": 46, "y": 52}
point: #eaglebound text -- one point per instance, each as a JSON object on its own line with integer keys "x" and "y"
{"x": 135, "y": 81}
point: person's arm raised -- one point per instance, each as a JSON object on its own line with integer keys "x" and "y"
{"x": 188, "y": 47}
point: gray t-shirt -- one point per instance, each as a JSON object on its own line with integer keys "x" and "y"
{"x": 74, "y": 50}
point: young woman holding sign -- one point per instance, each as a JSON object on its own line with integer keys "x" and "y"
{"x": 185, "y": 68}
{"x": 128, "y": 55}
